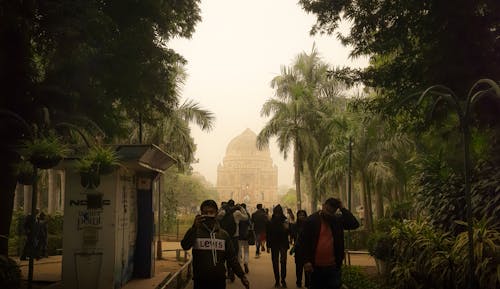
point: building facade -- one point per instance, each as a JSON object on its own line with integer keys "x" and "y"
{"x": 247, "y": 174}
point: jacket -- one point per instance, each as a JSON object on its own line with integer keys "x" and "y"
{"x": 310, "y": 234}
{"x": 260, "y": 220}
{"x": 277, "y": 233}
{"x": 211, "y": 248}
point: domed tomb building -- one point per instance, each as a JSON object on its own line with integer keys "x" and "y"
{"x": 247, "y": 174}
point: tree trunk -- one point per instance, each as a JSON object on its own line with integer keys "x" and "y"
{"x": 8, "y": 183}
{"x": 296, "y": 165}
{"x": 370, "y": 209}
{"x": 364, "y": 201}
{"x": 379, "y": 203}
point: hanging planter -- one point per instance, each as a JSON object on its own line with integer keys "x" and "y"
{"x": 25, "y": 173}
{"x": 99, "y": 161}
{"x": 45, "y": 152}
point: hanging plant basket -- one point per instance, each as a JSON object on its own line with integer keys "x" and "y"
{"x": 98, "y": 161}
{"x": 25, "y": 173}
{"x": 45, "y": 152}
{"x": 89, "y": 180}
{"x": 45, "y": 162}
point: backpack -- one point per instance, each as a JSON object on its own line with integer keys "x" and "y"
{"x": 227, "y": 222}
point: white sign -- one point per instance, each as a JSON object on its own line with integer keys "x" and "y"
{"x": 209, "y": 244}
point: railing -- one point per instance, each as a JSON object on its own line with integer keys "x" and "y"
{"x": 181, "y": 278}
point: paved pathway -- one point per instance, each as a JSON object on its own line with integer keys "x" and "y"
{"x": 261, "y": 274}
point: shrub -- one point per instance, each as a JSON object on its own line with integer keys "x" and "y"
{"x": 359, "y": 239}
{"x": 55, "y": 223}
{"x": 353, "y": 278}
{"x": 380, "y": 246}
{"x": 54, "y": 242}
{"x": 10, "y": 274}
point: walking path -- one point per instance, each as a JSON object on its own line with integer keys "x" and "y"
{"x": 47, "y": 271}
{"x": 261, "y": 274}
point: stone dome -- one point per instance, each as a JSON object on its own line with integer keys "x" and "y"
{"x": 245, "y": 145}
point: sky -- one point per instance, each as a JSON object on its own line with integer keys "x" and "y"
{"x": 235, "y": 52}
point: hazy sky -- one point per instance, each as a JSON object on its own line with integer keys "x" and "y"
{"x": 232, "y": 57}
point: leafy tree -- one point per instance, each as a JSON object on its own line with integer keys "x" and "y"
{"x": 106, "y": 60}
{"x": 293, "y": 112}
{"x": 415, "y": 44}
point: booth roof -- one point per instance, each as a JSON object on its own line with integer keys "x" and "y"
{"x": 145, "y": 156}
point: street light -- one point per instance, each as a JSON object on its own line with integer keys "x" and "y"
{"x": 443, "y": 93}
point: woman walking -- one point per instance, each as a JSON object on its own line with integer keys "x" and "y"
{"x": 296, "y": 230}
{"x": 277, "y": 241}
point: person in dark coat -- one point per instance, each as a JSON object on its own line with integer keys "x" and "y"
{"x": 42, "y": 236}
{"x": 277, "y": 241}
{"x": 212, "y": 246}
{"x": 31, "y": 244}
{"x": 259, "y": 220}
{"x": 323, "y": 243}
{"x": 296, "y": 230}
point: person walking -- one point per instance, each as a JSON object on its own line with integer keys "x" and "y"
{"x": 31, "y": 244}
{"x": 277, "y": 241}
{"x": 230, "y": 217}
{"x": 296, "y": 230}
{"x": 41, "y": 236}
{"x": 211, "y": 247}
{"x": 322, "y": 241}
{"x": 259, "y": 220}
{"x": 243, "y": 234}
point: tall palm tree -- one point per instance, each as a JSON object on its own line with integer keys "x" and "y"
{"x": 294, "y": 111}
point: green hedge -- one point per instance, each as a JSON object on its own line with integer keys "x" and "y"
{"x": 354, "y": 278}
{"x": 17, "y": 237}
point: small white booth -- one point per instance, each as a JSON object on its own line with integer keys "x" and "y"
{"x": 109, "y": 230}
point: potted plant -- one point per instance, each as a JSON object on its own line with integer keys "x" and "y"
{"x": 25, "y": 172}
{"x": 45, "y": 152}
{"x": 380, "y": 246}
{"x": 98, "y": 161}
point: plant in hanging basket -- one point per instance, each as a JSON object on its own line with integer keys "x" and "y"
{"x": 98, "y": 161}
{"x": 45, "y": 152}
{"x": 25, "y": 172}
{"x": 89, "y": 177}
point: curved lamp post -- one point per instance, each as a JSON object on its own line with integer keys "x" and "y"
{"x": 445, "y": 94}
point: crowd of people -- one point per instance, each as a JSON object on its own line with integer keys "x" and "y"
{"x": 220, "y": 239}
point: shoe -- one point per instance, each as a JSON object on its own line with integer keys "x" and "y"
{"x": 246, "y": 268}
{"x": 299, "y": 284}
{"x": 268, "y": 250}
{"x": 262, "y": 249}
{"x": 277, "y": 285}
{"x": 231, "y": 277}
{"x": 283, "y": 284}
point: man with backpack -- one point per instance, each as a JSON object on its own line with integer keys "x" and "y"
{"x": 229, "y": 217}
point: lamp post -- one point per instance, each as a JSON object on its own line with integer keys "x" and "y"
{"x": 443, "y": 93}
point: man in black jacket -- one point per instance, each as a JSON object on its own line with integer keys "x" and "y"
{"x": 212, "y": 246}
{"x": 323, "y": 243}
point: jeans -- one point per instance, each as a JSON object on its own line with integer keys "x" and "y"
{"x": 279, "y": 254}
{"x": 209, "y": 284}
{"x": 326, "y": 278}
{"x": 299, "y": 270}
{"x": 243, "y": 251}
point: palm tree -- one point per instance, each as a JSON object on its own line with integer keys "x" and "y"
{"x": 172, "y": 131}
{"x": 294, "y": 112}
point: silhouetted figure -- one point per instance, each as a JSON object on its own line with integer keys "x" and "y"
{"x": 277, "y": 241}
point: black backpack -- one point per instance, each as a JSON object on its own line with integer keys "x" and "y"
{"x": 227, "y": 222}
